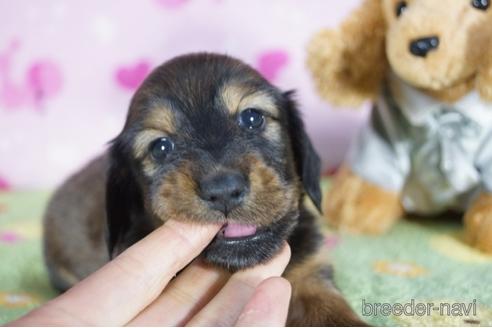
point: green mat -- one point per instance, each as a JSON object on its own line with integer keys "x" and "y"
{"x": 417, "y": 263}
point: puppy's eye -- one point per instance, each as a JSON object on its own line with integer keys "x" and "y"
{"x": 481, "y": 4}
{"x": 161, "y": 147}
{"x": 251, "y": 119}
{"x": 400, "y": 8}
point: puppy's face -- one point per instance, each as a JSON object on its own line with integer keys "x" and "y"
{"x": 436, "y": 44}
{"x": 207, "y": 139}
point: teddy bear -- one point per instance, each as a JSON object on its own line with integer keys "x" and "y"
{"x": 426, "y": 67}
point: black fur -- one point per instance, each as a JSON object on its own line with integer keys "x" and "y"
{"x": 306, "y": 237}
{"x": 307, "y": 160}
{"x": 127, "y": 221}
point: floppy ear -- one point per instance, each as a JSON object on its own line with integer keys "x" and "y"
{"x": 308, "y": 163}
{"x": 126, "y": 219}
{"x": 348, "y": 64}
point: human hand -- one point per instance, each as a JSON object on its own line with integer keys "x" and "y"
{"x": 136, "y": 288}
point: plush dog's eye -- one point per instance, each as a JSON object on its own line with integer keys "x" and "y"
{"x": 400, "y": 8}
{"x": 251, "y": 119}
{"x": 161, "y": 147}
{"x": 481, "y": 4}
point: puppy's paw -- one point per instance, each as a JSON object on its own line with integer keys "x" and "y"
{"x": 315, "y": 301}
{"x": 478, "y": 223}
{"x": 357, "y": 206}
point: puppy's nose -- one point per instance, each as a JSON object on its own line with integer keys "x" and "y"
{"x": 421, "y": 47}
{"x": 224, "y": 191}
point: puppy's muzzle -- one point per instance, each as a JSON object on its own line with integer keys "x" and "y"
{"x": 224, "y": 191}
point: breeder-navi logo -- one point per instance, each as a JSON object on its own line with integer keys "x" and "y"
{"x": 413, "y": 308}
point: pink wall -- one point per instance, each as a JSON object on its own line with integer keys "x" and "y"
{"x": 69, "y": 68}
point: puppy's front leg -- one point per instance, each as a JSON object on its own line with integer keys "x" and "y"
{"x": 315, "y": 300}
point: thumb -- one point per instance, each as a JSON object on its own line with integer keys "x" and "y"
{"x": 269, "y": 304}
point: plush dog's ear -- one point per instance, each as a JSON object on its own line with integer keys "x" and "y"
{"x": 126, "y": 219}
{"x": 308, "y": 163}
{"x": 348, "y": 64}
{"x": 484, "y": 78}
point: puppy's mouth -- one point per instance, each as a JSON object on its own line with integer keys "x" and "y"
{"x": 238, "y": 245}
{"x": 234, "y": 230}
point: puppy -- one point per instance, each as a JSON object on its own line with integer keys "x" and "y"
{"x": 206, "y": 139}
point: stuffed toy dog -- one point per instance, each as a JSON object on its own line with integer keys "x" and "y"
{"x": 427, "y": 65}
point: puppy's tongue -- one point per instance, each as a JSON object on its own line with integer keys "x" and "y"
{"x": 233, "y": 230}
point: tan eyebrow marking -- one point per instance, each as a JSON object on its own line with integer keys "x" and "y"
{"x": 160, "y": 118}
{"x": 158, "y": 123}
{"x": 143, "y": 139}
{"x": 273, "y": 132}
{"x": 237, "y": 98}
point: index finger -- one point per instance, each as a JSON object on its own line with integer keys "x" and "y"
{"x": 122, "y": 288}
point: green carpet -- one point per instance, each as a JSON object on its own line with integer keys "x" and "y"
{"x": 416, "y": 263}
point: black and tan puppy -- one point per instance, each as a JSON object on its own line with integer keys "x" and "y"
{"x": 206, "y": 139}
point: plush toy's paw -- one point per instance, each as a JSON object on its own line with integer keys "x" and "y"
{"x": 354, "y": 205}
{"x": 478, "y": 223}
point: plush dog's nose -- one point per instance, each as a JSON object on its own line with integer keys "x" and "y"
{"x": 224, "y": 191}
{"x": 421, "y": 47}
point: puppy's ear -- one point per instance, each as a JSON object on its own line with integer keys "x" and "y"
{"x": 126, "y": 219}
{"x": 348, "y": 64}
{"x": 308, "y": 163}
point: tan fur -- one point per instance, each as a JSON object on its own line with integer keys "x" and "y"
{"x": 349, "y": 64}
{"x": 273, "y": 131}
{"x": 464, "y": 34}
{"x": 238, "y": 98}
{"x": 159, "y": 123}
{"x": 453, "y": 93}
{"x": 315, "y": 300}
{"x": 161, "y": 119}
{"x": 144, "y": 139}
{"x": 484, "y": 79}
{"x": 355, "y": 205}
{"x": 179, "y": 193}
{"x": 141, "y": 146}
{"x": 478, "y": 223}
{"x": 268, "y": 200}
